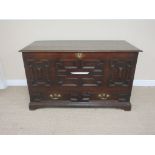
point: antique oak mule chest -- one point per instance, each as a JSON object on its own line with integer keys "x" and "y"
{"x": 80, "y": 73}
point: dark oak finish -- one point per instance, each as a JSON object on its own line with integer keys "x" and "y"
{"x": 80, "y": 73}
{"x": 76, "y": 45}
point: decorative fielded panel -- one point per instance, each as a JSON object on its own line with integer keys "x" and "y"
{"x": 121, "y": 72}
{"x": 39, "y": 72}
{"x": 80, "y": 72}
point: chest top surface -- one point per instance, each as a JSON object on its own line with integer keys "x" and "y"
{"x": 80, "y": 45}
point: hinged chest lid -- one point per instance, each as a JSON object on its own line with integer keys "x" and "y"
{"x": 80, "y": 45}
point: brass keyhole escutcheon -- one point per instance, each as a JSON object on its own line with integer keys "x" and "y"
{"x": 103, "y": 96}
{"x": 79, "y": 55}
{"x": 55, "y": 96}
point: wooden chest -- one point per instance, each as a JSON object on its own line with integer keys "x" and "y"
{"x": 80, "y": 73}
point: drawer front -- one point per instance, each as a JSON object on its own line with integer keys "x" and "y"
{"x": 80, "y": 69}
{"x": 78, "y": 95}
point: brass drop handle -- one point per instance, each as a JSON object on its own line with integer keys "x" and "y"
{"x": 79, "y": 55}
{"x": 55, "y": 96}
{"x": 103, "y": 96}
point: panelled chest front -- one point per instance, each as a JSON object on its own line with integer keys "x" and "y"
{"x": 80, "y": 73}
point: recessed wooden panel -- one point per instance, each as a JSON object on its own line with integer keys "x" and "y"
{"x": 38, "y": 72}
{"x": 80, "y": 72}
{"x": 121, "y": 72}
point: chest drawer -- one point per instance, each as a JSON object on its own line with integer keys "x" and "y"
{"x": 78, "y": 95}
